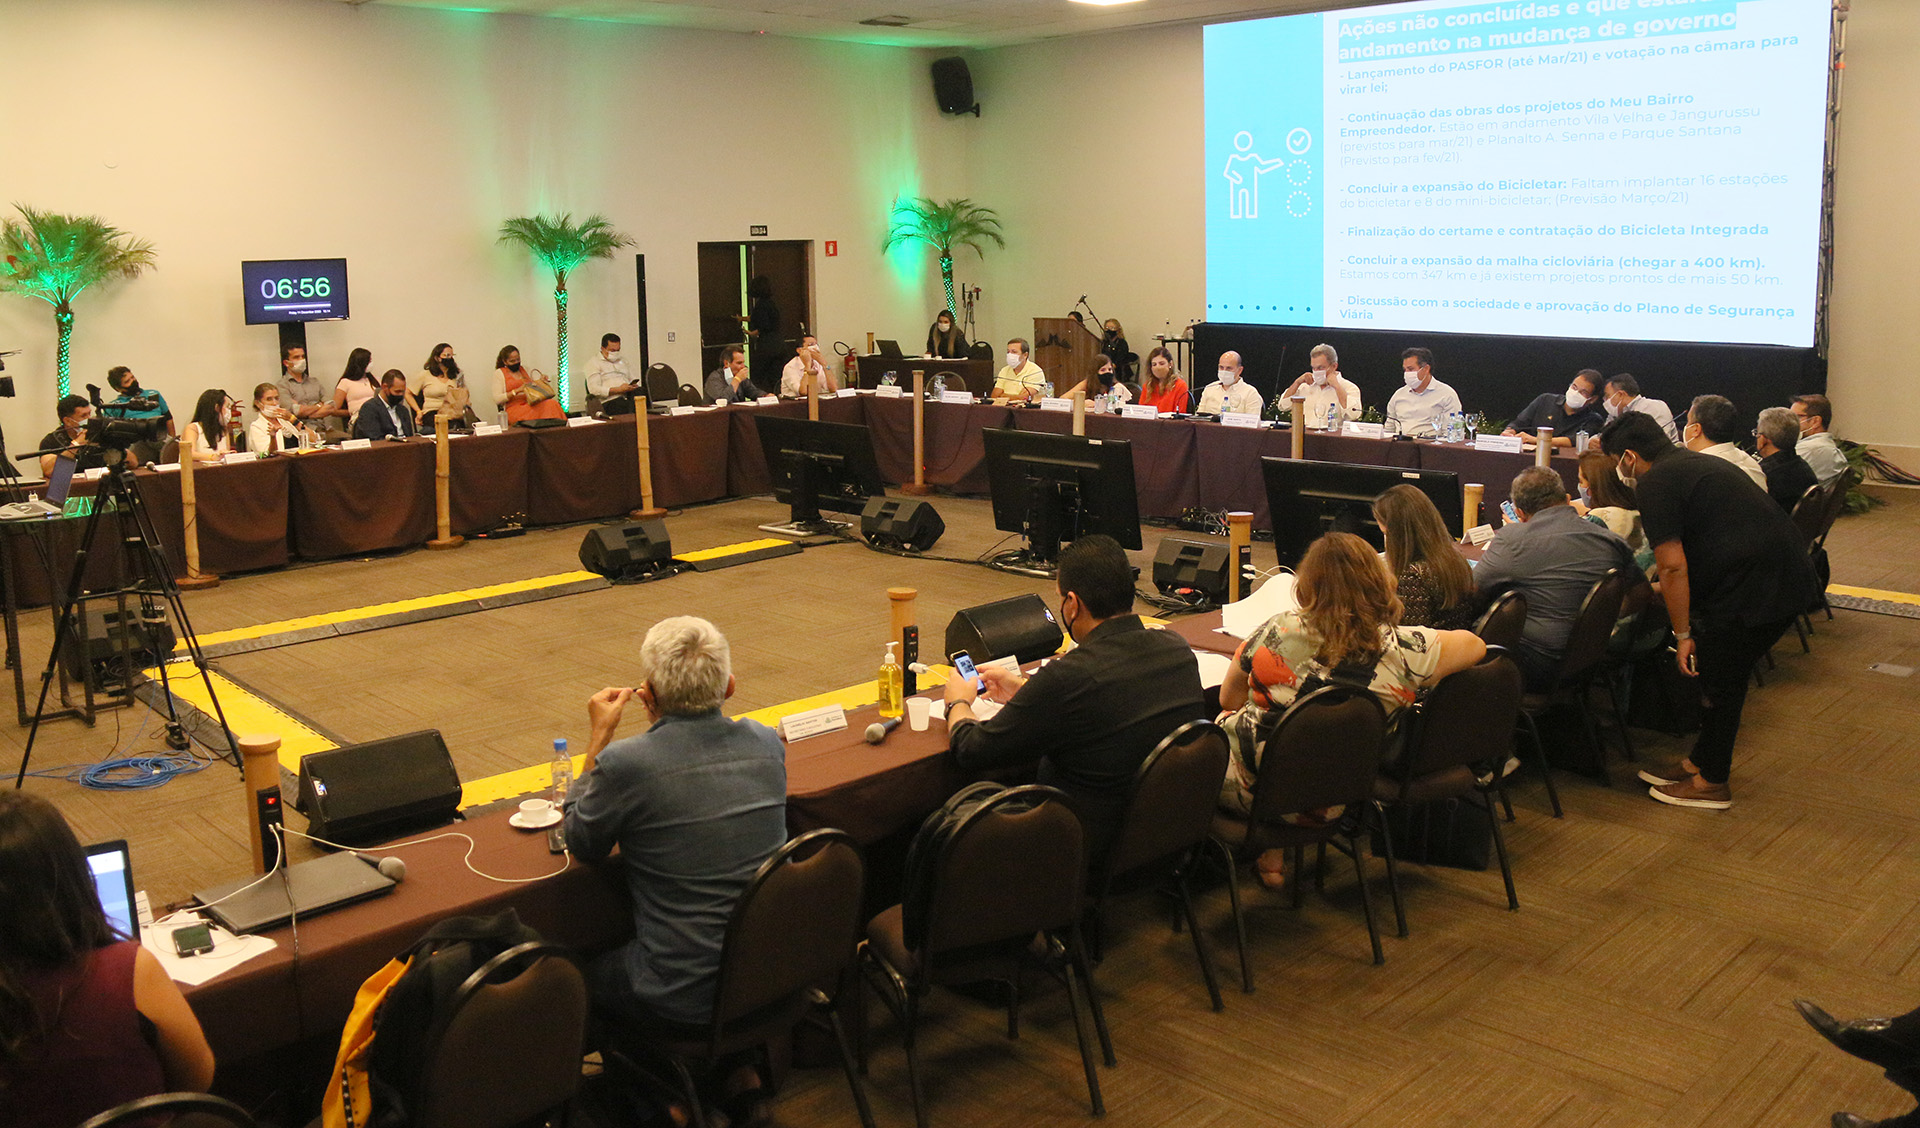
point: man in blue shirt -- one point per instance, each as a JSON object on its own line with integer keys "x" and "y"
{"x": 695, "y": 803}
{"x": 121, "y": 379}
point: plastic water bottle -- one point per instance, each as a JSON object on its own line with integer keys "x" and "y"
{"x": 1332, "y": 413}
{"x": 562, "y": 771}
{"x": 1580, "y": 443}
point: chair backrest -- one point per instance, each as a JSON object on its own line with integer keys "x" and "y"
{"x": 1836, "y": 503}
{"x": 690, "y": 396}
{"x": 1174, "y": 795}
{"x": 510, "y": 1043}
{"x": 663, "y": 383}
{"x": 1324, "y": 752}
{"x": 1013, "y": 867}
{"x": 980, "y": 350}
{"x": 1466, "y": 718}
{"x": 188, "y": 1110}
{"x": 1810, "y": 510}
{"x": 1503, "y": 620}
{"x": 1593, "y": 625}
{"x": 795, "y": 926}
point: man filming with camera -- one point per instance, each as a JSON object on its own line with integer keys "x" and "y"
{"x": 134, "y": 402}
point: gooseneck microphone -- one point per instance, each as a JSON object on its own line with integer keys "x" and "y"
{"x": 878, "y": 730}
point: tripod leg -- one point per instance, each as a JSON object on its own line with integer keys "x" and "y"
{"x": 62, "y": 627}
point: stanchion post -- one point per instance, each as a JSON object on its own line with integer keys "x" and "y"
{"x": 643, "y": 438}
{"x": 260, "y": 769}
{"x": 1543, "y": 452}
{"x": 1079, "y": 398}
{"x": 442, "y": 487}
{"x": 1471, "y": 495}
{"x": 1299, "y": 425}
{"x": 1239, "y": 546}
{"x": 813, "y": 397}
{"x": 195, "y": 579}
{"x": 918, "y": 487}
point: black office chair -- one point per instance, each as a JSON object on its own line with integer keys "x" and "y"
{"x": 176, "y": 1110}
{"x": 663, "y": 383}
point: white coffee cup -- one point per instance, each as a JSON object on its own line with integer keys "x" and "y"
{"x": 535, "y": 808}
{"x": 918, "y": 710}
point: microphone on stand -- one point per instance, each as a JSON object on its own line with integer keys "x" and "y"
{"x": 878, "y": 730}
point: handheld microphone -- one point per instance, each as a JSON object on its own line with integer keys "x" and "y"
{"x": 878, "y": 730}
{"x": 391, "y": 868}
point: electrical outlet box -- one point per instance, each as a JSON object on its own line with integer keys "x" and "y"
{"x": 670, "y": 336}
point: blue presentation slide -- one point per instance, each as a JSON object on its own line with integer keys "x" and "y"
{"x": 1617, "y": 169}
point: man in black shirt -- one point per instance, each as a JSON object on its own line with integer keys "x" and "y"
{"x": 1734, "y": 572}
{"x": 68, "y": 437}
{"x": 1089, "y": 717}
{"x": 1788, "y": 475}
{"x": 1570, "y": 412}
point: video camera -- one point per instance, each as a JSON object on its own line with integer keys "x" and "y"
{"x": 118, "y": 432}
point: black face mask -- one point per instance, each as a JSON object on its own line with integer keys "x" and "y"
{"x": 513, "y": 368}
{"x": 449, "y": 368}
{"x": 397, "y": 400}
{"x": 130, "y": 388}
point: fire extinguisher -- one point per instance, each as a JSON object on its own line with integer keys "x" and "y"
{"x": 850, "y": 362}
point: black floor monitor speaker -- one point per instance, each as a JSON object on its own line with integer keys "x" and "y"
{"x": 365, "y": 793}
{"x": 152, "y": 642}
{"x": 1023, "y": 626}
{"x": 628, "y": 550}
{"x": 1200, "y": 565}
{"x": 953, "y": 86}
{"x": 901, "y": 522}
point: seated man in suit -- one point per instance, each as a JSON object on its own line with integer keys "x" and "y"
{"x": 387, "y": 416}
{"x": 1089, "y": 717}
{"x": 730, "y": 381}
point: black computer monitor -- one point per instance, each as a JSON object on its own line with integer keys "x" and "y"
{"x": 817, "y": 465}
{"x": 1058, "y": 488}
{"x": 1306, "y": 499}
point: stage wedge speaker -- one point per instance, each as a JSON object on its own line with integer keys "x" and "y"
{"x": 1200, "y": 565}
{"x": 365, "y": 793}
{"x": 1023, "y": 626}
{"x": 626, "y": 551}
{"x": 953, "y": 86}
{"x": 107, "y": 632}
{"x": 897, "y": 522}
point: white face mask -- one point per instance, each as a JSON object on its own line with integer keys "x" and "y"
{"x": 1014, "y": 360}
{"x": 1613, "y": 410}
{"x": 298, "y": 367}
{"x": 1320, "y": 376}
{"x": 1576, "y": 399}
{"x": 612, "y": 355}
{"x": 1626, "y": 479}
{"x": 1412, "y": 378}
{"x": 1228, "y": 377}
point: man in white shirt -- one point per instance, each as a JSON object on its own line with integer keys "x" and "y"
{"x": 1423, "y": 405}
{"x": 1229, "y": 392}
{"x": 1324, "y": 389}
{"x": 806, "y": 371}
{"x": 609, "y": 378}
{"x": 1021, "y": 380}
{"x": 1713, "y": 427}
{"x": 1624, "y": 398}
{"x": 1817, "y": 446}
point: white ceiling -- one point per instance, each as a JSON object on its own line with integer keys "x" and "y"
{"x": 935, "y": 23}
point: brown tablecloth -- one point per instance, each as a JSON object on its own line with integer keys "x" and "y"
{"x": 689, "y": 456}
{"x": 241, "y": 515}
{"x": 956, "y": 454}
{"x": 870, "y": 791}
{"x": 486, "y": 480}
{"x": 747, "y": 463}
{"x": 588, "y": 473}
{"x": 346, "y": 502}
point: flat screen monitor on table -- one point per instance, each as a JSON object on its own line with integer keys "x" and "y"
{"x": 817, "y": 465}
{"x": 1306, "y": 499}
{"x": 1054, "y": 489}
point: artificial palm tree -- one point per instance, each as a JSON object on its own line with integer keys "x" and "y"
{"x": 563, "y": 245}
{"x": 54, "y": 257}
{"x": 943, "y": 225}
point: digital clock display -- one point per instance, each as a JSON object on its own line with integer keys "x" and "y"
{"x": 294, "y": 290}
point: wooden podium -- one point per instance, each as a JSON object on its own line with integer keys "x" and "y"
{"x": 1064, "y": 349}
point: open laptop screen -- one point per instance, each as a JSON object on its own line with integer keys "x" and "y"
{"x": 112, "y": 868}
{"x": 60, "y": 480}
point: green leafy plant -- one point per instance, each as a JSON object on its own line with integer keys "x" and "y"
{"x": 55, "y": 257}
{"x": 1860, "y": 458}
{"x": 563, "y": 246}
{"x": 944, "y": 225}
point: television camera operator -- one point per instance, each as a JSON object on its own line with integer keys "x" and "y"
{"x": 135, "y": 402}
{"x": 94, "y": 440}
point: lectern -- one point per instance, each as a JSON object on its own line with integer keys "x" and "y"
{"x": 1064, "y": 349}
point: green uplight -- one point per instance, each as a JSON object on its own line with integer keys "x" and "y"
{"x": 56, "y": 257}
{"x": 563, "y": 246}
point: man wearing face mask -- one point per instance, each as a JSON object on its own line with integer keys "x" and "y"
{"x": 1623, "y": 397}
{"x": 68, "y": 438}
{"x": 1733, "y": 572}
{"x": 1568, "y": 413}
{"x": 730, "y": 381}
{"x": 387, "y": 417}
{"x": 944, "y": 339}
{"x": 303, "y": 394}
{"x": 609, "y": 378}
{"x": 1021, "y": 380}
{"x": 1419, "y": 408}
{"x": 1324, "y": 388}
{"x": 1817, "y": 445}
{"x": 121, "y": 379}
{"x": 1229, "y": 392}
{"x": 1089, "y": 717}
{"x": 1713, "y": 427}
{"x": 807, "y": 370}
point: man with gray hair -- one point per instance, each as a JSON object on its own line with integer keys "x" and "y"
{"x": 695, "y": 803}
{"x": 1326, "y": 391}
{"x": 1554, "y": 557}
{"x": 1788, "y": 475}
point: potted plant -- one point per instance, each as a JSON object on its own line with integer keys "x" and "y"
{"x": 563, "y": 246}
{"x": 54, "y": 257}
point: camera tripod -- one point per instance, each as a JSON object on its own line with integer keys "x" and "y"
{"x": 148, "y": 580}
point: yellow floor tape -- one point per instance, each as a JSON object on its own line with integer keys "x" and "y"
{"x": 1874, "y": 593}
{"x": 397, "y": 607}
{"x": 731, "y": 549}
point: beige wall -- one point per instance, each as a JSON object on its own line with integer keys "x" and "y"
{"x": 400, "y": 138}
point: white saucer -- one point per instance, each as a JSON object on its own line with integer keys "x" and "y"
{"x": 520, "y": 819}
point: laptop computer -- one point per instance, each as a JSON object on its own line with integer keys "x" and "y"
{"x": 317, "y": 886}
{"x": 888, "y": 348}
{"x": 112, "y": 868}
{"x": 59, "y": 485}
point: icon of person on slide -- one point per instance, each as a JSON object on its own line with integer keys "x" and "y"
{"x": 1243, "y": 177}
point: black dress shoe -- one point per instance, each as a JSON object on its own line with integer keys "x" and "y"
{"x": 1865, "y": 1038}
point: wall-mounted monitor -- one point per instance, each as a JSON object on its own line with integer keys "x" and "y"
{"x": 294, "y": 290}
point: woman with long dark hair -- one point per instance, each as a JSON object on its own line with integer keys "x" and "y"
{"x": 209, "y": 430}
{"x": 356, "y": 386}
{"x": 439, "y": 387}
{"x": 88, "y": 1020}
{"x": 1433, "y": 580}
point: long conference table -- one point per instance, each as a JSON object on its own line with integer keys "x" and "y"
{"x": 335, "y": 503}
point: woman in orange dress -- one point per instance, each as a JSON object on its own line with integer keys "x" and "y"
{"x": 525, "y": 394}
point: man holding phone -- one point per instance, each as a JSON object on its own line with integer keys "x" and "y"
{"x": 1090, "y": 717}
{"x": 1733, "y": 571}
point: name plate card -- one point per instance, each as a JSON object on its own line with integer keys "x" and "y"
{"x": 685, "y": 410}
{"x": 843, "y": 393}
{"x": 1055, "y": 403}
{"x": 238, "y": 456}
{"x": 1139, "y": 411}
{"x": 357, "y": 444}
{"x": 100, "y": 472}
{"x": 956, "y": 397}
{"x": 486, "y": 428}
{"x": 1480, "y": 535}
{"x": 1239, "y": 419}
{"x": 813, "y": 722}
{"x": 583, "y": 421}
{"x": 1367, "y": 430}
{"x": 763, "y": 401}
{"x": 1503, "y": 444}
{"x": 888, "y": 391}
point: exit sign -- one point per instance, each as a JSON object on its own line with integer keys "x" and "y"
{"x": 757, "y": 229}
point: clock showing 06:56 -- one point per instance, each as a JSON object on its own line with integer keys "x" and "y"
{"x": 294, "y": 290}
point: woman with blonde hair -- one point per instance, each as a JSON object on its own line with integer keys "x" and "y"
{"x": 1433, "y": 580}
{"x": 1346, "y": 630}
